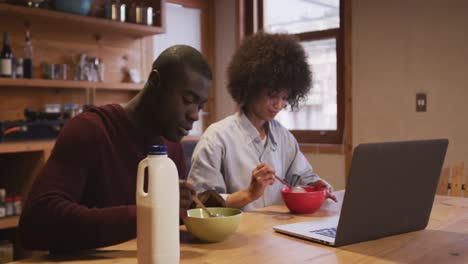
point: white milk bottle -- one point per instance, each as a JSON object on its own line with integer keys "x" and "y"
{"x": 157, "y": 209}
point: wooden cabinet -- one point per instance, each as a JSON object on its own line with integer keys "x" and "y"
{"x": 58, "y": 38}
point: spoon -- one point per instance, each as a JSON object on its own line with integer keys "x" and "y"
{"x": 294, "y": 189}
{"x": 199, "y": 203}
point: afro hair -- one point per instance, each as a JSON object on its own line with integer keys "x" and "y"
{"x": 274, "y": 62}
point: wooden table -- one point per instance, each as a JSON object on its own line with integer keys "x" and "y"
{"x": 445, "y": 240}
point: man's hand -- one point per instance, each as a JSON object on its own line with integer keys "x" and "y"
{"x": 186, "y": 191}
{"x": 211, "y": 198}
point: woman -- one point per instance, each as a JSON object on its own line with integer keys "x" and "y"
{"x": 240, "y": 155}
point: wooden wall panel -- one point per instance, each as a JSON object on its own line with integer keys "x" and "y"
{"x": 112, "y": 97}
{"x": 15, "y": 100}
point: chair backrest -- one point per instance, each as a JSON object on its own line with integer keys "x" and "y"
{"x": 453, "y": 181}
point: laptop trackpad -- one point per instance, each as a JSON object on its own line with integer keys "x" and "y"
{"x": 316, "y": 230}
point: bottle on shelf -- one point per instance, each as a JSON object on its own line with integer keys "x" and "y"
{"x": 6, "y": 58}
{"x": 19, "y": 70}
{"x": 2, "y": 202}
{"x": 107, "y": 9}
{"x": 147, "y": 14}
{"x": 123, "y": 12}
{"x": 115, "y": 10}
{"x": 17, "y": 204}
{"x": 139, "y": 12}
{"x": 28, "y": 54}
{"x": 9, "y": 206}
{"x": 131, "y": 12}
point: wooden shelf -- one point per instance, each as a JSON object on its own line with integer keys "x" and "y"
{"x": 26, "y": 146}
{"x": 119, "y": 86}
{"x": 66, "y": 22}
{"x": 9, "y": 222}
{"x": 39, "y": 83}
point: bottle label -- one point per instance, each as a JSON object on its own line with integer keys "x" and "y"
{"x": 19, "y": 70}
{"x": 5, "y": 67}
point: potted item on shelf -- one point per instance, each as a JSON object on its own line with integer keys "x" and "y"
{"x": 78, "y": 7}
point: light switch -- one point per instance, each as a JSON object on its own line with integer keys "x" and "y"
{"x": 421, "y": 102}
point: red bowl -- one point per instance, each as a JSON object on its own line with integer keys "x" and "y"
{"x": 304, "y": 203}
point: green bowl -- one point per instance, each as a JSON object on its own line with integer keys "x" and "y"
{"x": 212, "y": 229}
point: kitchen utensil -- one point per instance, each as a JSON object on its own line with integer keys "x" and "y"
{"x": 199, "y": 203}
{"x": 294, "y": 189}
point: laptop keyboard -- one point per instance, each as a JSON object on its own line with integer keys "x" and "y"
{"x": 329, "y": 232}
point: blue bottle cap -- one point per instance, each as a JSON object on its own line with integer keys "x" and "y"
{"x": 157, "y": 150}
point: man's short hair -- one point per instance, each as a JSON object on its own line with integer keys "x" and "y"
{"x": 174, "y": 62}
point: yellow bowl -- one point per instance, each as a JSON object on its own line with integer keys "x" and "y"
{"x": 212, "y": 229}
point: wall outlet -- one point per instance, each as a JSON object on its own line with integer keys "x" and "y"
{"x": 421, "y": 102}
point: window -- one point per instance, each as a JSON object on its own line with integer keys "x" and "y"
{"x": 318, "y": 24}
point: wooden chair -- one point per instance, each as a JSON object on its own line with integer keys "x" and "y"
{"x": 453, "y": 181}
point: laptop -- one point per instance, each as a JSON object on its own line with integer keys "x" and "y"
{"x": 390, "y": 190}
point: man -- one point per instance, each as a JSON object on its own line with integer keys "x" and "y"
{"x": 85, "y": 196}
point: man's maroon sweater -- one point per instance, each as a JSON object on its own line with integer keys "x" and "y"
{"x": 85, "y": 195}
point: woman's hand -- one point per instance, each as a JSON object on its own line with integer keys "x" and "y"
{"x": 325, "y": 185}
{"x": 262, "y": 176}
